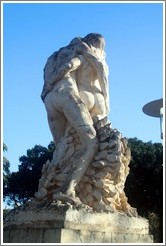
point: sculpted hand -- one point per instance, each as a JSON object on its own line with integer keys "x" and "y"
{"x": 82, "y": 47}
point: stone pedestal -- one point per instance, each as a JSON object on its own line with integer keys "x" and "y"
{"x": 64, "y": 224}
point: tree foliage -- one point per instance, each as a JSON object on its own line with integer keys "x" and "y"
{"x": 144, "y": 185}
{"x": 6, "y": 167}
{"x": 24, "y": 183}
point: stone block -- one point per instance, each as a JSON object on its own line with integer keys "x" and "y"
{"x": 68, "y": 225}
{"x": 52, "y": 235}
{"x": 131, "y": 238}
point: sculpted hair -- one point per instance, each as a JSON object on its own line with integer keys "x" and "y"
{"x": 94, "y": 39}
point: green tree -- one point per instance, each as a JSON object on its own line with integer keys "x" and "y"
{"x": 6, "y": 167}
{"x": 144, "y": 184}
{"x": 24, "y": 183}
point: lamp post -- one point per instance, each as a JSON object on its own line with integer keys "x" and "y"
{"x": 155, "y": 109}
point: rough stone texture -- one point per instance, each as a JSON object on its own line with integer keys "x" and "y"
{"x": 102, "y": 186}
{"x": 74, "y": 236}
{"x": 59, "y": 223}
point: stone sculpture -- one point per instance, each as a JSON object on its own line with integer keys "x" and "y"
{"x": 90, "y": 161}
{"x": 80, "y": 197}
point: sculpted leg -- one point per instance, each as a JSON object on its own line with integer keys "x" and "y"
{"x": 80, "y": 119}
{"x": 57, "y": 127}
{"x": 56, "y": 119}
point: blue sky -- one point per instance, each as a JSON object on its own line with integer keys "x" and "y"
{"x": 134, "y": 53}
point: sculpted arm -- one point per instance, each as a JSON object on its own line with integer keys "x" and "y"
{"x": 51, "y": 77}
{"x": 72, "y": 65}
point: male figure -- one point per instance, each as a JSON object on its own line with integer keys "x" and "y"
{"x": 73, "y": 95}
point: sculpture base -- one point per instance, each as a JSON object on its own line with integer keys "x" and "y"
{"x": 64, "y": 224}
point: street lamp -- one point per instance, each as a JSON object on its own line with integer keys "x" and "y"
{"x": 155, "y": 109}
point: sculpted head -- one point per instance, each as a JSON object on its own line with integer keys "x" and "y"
{"x": 94, "y": 39}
